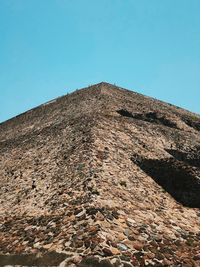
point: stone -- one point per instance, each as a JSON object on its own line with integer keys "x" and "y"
{"x": 150, "y": 255}
{"x": 93, "y": 229}
{"x": 105, "y": 263}
{"x": 126, "y": 264}
{"x": 76, "y": 259}
{"x": 196, "y": 257}
{"x": 122, "y": 247}
{"x": 128, "y": 243}
{"x": 67, "y": 244}
{"x": 107, "y": 251}
{"x": 159, "y": 256}
{"x": 115, "y": 262}
{"x": 37, "y": 245}
{"x": 167, "y": 262}
{"x": 130, "y": 222}
{"x": 127, "y": 231}
{"x": 114, "y": 251}
{"x": 89, "y": 261}
{"x": 99, "y": 216}
{"x": 81, "y": 215}
{"x": 120, "y": 236}
{"x": 47, "y": 246}
{"x": 137, "y": 245}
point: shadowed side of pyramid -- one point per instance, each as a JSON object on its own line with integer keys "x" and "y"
{"x": 180, "y": 180}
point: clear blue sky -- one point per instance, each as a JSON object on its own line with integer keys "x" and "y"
{"x": 51, "y": 47}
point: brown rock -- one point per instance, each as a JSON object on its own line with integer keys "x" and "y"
{"x": 137, "y": 245}
{"x": 115, "y": 251}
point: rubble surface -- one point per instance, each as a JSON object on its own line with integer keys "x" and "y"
{"x": 101, "y": 177}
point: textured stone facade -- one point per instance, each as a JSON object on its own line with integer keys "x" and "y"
{"x": 101, "y": 177}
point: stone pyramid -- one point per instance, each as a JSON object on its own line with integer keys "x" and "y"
{"x": 101, "y": 177}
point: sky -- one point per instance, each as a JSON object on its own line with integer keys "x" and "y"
{"x": 49, "y": 48}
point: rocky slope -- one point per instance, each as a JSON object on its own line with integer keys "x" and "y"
{"x": 101, "y": 177}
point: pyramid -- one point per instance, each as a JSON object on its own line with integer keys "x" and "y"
{"x": 100, "y": 177}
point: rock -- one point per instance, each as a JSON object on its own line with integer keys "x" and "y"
{"x": 159, "y": 256}
{"x": 115, "y": 251}
{"x": 115, "y": 262}
{"x": 122, "y": 247}
{"x": 107, "y": 252}
{"x": 167, "y": 262}
{"x": 67, "y": 244}
{"x": 126, "y": 255}
{"x": 120, "y": 236}
{"x": 126, "y": 264}
{"x": 132, "y": 237}
{"x": 99, "y": 216}
{"x": 105, "y": 263}
{"x": 196, "y": 257}
{"x": 93, "y": 229}
{"x": 150, "y": 255}
{"x": 128, "y": 243}
{"x": 76, "y": 259}
{"x": 71, "y": 218}
{"x": 78, "y": 243}
{"x": 37, "y": 245}
{"x": 130, "y": 222}
{"x": 137, "y": 245}
{"x": 81, "y": 215}
{"x": 89, "y": 261}
{"x": 47, "y": 246}
{"x": 127, "y": 232}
